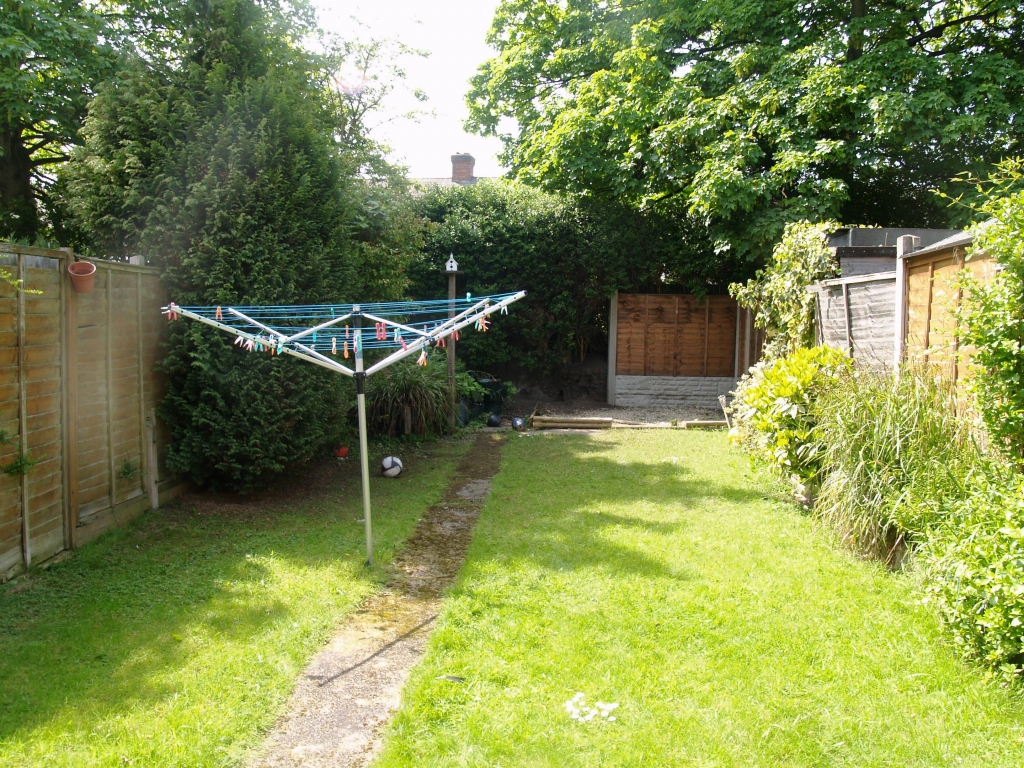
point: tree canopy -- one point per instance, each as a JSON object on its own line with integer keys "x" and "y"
{"x": 220, "y": 160}
{"x": 756, "y": 113}
{"x": 51, "y": 56}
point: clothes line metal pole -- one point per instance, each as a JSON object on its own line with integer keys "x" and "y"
{"x": 364, "y": 450}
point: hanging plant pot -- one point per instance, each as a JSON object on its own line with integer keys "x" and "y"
{"x": 82, "y": 274}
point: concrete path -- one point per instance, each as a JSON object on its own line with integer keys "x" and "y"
{"x": 348, "y": 692}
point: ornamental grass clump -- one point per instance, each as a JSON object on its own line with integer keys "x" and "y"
{"x": 406, "y": 390}
{"x": 892, "y": 448}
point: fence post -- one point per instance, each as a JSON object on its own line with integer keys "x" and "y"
{"x": 905, "y": 245}
{"x": 151, "y": 461}
{"x": 613, "y": 333}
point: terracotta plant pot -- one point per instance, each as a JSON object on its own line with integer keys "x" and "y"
{"x": 82, "y": 274}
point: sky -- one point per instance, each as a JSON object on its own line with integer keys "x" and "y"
{"x": 453, "y": 32}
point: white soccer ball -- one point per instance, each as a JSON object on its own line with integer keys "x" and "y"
{"x": 391, "y": 466}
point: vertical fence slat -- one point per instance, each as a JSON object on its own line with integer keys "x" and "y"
{"x": 707, "y": 332}
{"x": 71, "y": 415}
{"x": 110, "y": 389}
{"x": 62, "y": 325}
{"x": 928, "y": 309}
{"x": 144, "y": 468}
{"x": 26, "y": 527}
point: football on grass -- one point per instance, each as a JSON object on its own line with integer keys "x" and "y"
{"x": 391, "y": 466}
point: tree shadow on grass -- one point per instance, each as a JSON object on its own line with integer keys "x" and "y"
{"x": 110, "y": 630}
{"x": 565, "y": 520}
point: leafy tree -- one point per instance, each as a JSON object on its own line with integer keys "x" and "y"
{"x": 219, "y": 162}
{"x": 756, "y": 114}
{"x": 569, "y": 256}
{"x": 51, "y": 57}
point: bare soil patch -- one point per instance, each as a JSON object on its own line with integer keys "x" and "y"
{"x": 354, "y": 684}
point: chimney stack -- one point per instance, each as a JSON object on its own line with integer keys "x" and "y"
{"x": 462, "y": 168}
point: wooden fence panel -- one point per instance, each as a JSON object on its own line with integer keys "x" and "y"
{"x": 78, "y": 388}
{"x": 932, "y": 299}
{"x": 677, "y": 335}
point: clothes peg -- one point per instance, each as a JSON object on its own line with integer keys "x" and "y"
{"x": 239, "y": 341}
{"x": 422, "y": 358}
{"x": 334, "y": 345}
{"x": 346, "y": 350}
{"x": 346, "y": 328}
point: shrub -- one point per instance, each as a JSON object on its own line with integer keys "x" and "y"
{"x": 224, "y": 170}
{"x": 891, "y": 448}
{"x": 568, "y": 254}
{"x": 992, "y": 315}
{"x": 975, "y": 569}
{"x": 773, "y": 408}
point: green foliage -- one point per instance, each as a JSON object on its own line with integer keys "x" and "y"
{"x": 755, "y": 116}
{"x": 992, "y": 315}
{"x": 225, "y": 171}
{"x": 778, "y": 293}
{"x": 129, "y": 470}
{"x": 423, "y": 389}
{"x": 52, "y": 54}
{"x": 22, "y": 464}
{"x": 774, "y": 409}
{"x": 975, "y": 568}
{"x": 569, "y": 257}
{"x": 893, "y": 449}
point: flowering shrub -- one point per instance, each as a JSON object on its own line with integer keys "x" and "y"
{"x": 773, "y": 407}
{"x": 975, "y": 566}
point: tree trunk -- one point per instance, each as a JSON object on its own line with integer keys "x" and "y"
{"x": 854, "y": 32}
{"x": 19, "y": 219}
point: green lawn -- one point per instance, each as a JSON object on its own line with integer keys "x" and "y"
{"x": 652, "y": 570}
{"x": 176, "y": 641}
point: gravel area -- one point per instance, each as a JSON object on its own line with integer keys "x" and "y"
{"x": 652, "y": 415}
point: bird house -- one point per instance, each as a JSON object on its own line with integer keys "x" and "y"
{"x": 451, "y": 265}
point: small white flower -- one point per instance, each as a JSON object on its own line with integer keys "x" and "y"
{"x": 611, "y": 719}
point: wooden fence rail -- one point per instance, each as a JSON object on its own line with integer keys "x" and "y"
{"x": 78, "y": 392}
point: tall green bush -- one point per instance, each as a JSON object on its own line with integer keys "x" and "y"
{"x": 570, "y": 256}
{"x": 975, "y": 571}
{"x": 220, "y": 166}
{"x": 992, "y": 315}
{"x": 892, "y": 449}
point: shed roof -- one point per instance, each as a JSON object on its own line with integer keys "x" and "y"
{"x": 953, "y": 241}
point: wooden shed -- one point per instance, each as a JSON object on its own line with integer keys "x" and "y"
{"x": 78, "y": 391}
{"x": 927, "y": 300}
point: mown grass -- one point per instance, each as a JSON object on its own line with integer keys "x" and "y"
{"x": 653, "y": 570}
{"x": 176, "y": 641}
